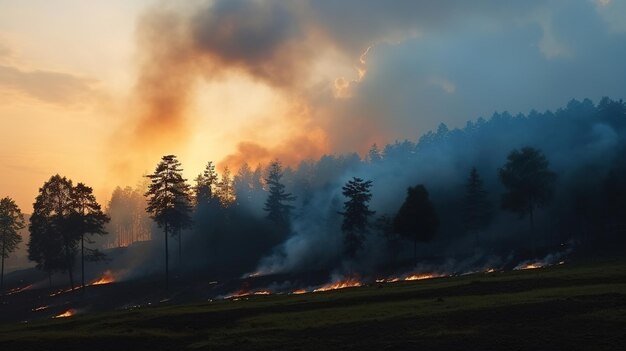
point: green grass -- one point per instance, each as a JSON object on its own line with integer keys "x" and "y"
{"x": 569, "y": 307}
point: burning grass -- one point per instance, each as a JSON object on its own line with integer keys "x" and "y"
{"x": 342, "y": 284}
{"x": 106, "y": 278}
{"x": 68, "y": 313}
{"x": 18, "y": 290}
{"x": 564, "y": 307}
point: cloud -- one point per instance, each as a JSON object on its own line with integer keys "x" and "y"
{"x": 47, "y": 86}
{"x": 426, "y": 63}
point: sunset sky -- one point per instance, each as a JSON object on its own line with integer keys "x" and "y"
{"x": 98, "y": 91}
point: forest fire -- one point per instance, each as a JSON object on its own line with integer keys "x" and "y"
{"x": 68, "y": 313}
{"x": 422, "y": 276}
{"x": 19, "y": 290}
{"x": 40, "y": 308}
{"x": 262, "y": 292}
{"x": 348, "y": 283}
{"x": 525, "y": 266}
{"x": 244, "y": 293}
{"x": 106, "y": 278}
{"x": 299, "y": 292}
{"x": 63, "y": 291}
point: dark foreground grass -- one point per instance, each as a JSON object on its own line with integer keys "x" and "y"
{"x": 569, "y": 307}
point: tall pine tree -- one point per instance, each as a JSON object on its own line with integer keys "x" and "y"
{"x": 356, "y": 213}
{"x": 169, "y": 201}
{"x": 477, "y": 207}
{"x": 277, "y": 207}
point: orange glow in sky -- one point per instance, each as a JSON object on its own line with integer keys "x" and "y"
{"x": 68, "y": 94}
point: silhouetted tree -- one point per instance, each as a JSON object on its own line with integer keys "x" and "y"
{"x": 53, "y": 243}
{"x": 242, "y": 184}
{"x": 277, "y": 207}
{"x": 206, "y": 184}
{"x": 477, "y": 207}
{"x": 129, "y": 220}
{"x": 529, "y": 182}
{"x": 169, "y": 201}
{"x": 416, "y": 218}
{"x": 225, "y": 189}
{"x": 375, "y": 155}
{"x": 86, "y": 218}
{"x": 11, "y": 222}
{"x": 356, "y": 213}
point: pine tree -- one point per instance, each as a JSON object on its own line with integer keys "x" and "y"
{"x": 86, "y": 218}
{"x": 276, "y": 205}
{"x": 477, "y": 207}
{"x": 242, "y": 185}
{"x": 206, "y": 183}
{"x": 11, "y": 222}
{"x": 226, "y": 191}
{"x": 356, "y": 213}
{"x": 375, "y": 155}
{"x": 169, "y": 201}
{"x": 416, "y": 218}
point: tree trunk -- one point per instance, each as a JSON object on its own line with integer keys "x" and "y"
{"x": 180, "y": 249}
{"x": 82, "y": 261}
{"x": 167, "y": 262}
{"x": 69, "y": 267}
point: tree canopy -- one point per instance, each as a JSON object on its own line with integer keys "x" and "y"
{"x": 277, "y": 207}
{"x": 356, "y": 213}
{"x": 11, "y": 222}
{"x": 528, "y": 181}
{"x": 416, "y": 218}
{"x": 477, "y": 207}
{"x": 169, "y": 201}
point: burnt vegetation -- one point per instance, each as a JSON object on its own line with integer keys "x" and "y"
{"x": 495, "y": 194}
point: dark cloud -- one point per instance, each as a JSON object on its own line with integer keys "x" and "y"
{"x": 263, "y": 39}
{"x": 428, "y": 62}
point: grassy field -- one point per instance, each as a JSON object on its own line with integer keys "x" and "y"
{"x": 568, "y": 307}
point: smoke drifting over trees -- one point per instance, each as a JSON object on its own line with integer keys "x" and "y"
{"x": 393, "y": 69}
{"x": 583, "y": 144}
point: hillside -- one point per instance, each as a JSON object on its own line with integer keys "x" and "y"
{"x": 575, "y": 306}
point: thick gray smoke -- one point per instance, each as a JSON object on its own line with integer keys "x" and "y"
{"x": 416, "y": 65}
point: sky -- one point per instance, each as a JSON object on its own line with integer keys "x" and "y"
{"x": 98, "y": 91}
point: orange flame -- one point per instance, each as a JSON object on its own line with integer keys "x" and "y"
{"x": 348, "y": 283}
{"x": 68, "y": 313}
{"x": 531, "y": 266}
{"x": 244, "y": 293}
{"x": 63, "y": 291}
{"x": 18, "y": 290}
{"x": 107, "y": 278}
{"x": 262, "y": 292}
{"x": 299, "y": 292}
{"x": 422, "y": 276}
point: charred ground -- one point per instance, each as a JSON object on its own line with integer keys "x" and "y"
{"x": 573, "y": 306}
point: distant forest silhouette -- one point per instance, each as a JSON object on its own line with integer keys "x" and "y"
{"x": 498, "y": 190}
